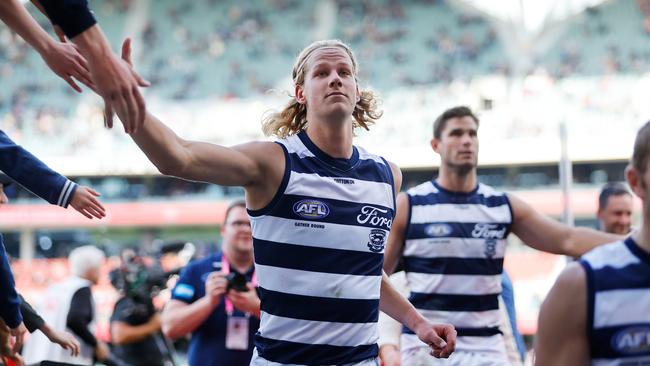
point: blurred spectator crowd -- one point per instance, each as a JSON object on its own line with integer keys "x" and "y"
{"x": 421, "y": 55}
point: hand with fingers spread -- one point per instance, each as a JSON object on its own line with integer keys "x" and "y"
{"x": 114, "y": 79}
{"x": 66, "y": 61}
{"x": 441, "y": 338}
{"x": 84, "y": 200}
{"x": 118, "y": 85}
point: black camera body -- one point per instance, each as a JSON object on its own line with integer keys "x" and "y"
{"x": 236, "y": 282}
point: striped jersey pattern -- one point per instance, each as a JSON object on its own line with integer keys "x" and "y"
{"x": 318, "y": 255}
{"x": 618, "y": 313}
{"x": 453, "y": 257}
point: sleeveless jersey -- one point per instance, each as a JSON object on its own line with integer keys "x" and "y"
{"x": 453, "y": 259}
{"x": 318, "y": 255}
{"x": 618, "y": 312}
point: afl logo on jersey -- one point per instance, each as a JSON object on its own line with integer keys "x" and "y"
{"x": 311, "y": 209}
{"x": 437, "y": 230}
{"x": 632, "y": 340}
{"x": 377, "y": 240}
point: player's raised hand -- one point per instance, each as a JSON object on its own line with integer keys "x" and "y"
{"x": 117, "y": 83}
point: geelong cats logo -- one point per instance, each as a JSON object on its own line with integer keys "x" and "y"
{"x": 377, "y": 240}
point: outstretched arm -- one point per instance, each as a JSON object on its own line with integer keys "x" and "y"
{"x": 64, "y": 59}
{"x": 548, "y": 235}
{"x": 240, "y": 165}
{"x": 33, "y": 174}
{"x": 562, "y": 334}
{"x": 113, "y": 80}
{"x": 257, "y": 166}
{"x": 64, "y": 339}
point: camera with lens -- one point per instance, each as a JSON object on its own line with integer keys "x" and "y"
{"x": 236, "y": 281}
{"x": 140, "y": 283}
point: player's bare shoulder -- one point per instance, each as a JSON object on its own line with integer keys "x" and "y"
{"x": 268, "y": 164}
{"x": 573, "y": 278}
{"x": 397, "y": 175}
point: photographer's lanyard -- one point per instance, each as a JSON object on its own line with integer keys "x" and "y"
{"x": 225, "y": 268}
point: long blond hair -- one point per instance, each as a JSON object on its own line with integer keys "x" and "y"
{"x": 293, "y": 118}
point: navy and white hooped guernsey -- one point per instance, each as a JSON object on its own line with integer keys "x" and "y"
{"x": 453, "y": 258}
{"x": 318, "y": 255}
{"x": 618, "y": 298}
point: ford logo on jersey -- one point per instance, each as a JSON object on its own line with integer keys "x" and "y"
{"x": 632, "y": 340}
{"x": 489, "y": 231}
{"x": 375, "y": 216}
{"x": 437, "y": 230}
{"x": 311, "y": 209}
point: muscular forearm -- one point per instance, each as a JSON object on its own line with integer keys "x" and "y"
{"x": 584, "y": 239}
{"x": 17, "y": 18}
{"x": 183, "y": 319}
{"x": 161, "y": 145}
{"x": 397, "y": 307}
{"x": 93, "y": 45}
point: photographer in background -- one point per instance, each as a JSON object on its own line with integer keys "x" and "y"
{"x": 216, "y": 301}
{"x": 135, "y": 323}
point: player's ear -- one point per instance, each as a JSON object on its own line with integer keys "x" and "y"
{"x": 300, "y": 95}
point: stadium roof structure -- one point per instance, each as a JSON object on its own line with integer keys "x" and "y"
{"x": 531, "y": 15}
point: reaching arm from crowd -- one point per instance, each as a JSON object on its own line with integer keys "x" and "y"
{"x": 63, "y": 58}
{"x": 30, "y": 172}
{"x": 112, "y": 78}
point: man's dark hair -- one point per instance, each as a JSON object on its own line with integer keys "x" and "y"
{"x": 641, "y": 149}
{"x": 455, "y": 112}
{"x": 233, "y": 204}
{"x": 609, "y": 190}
